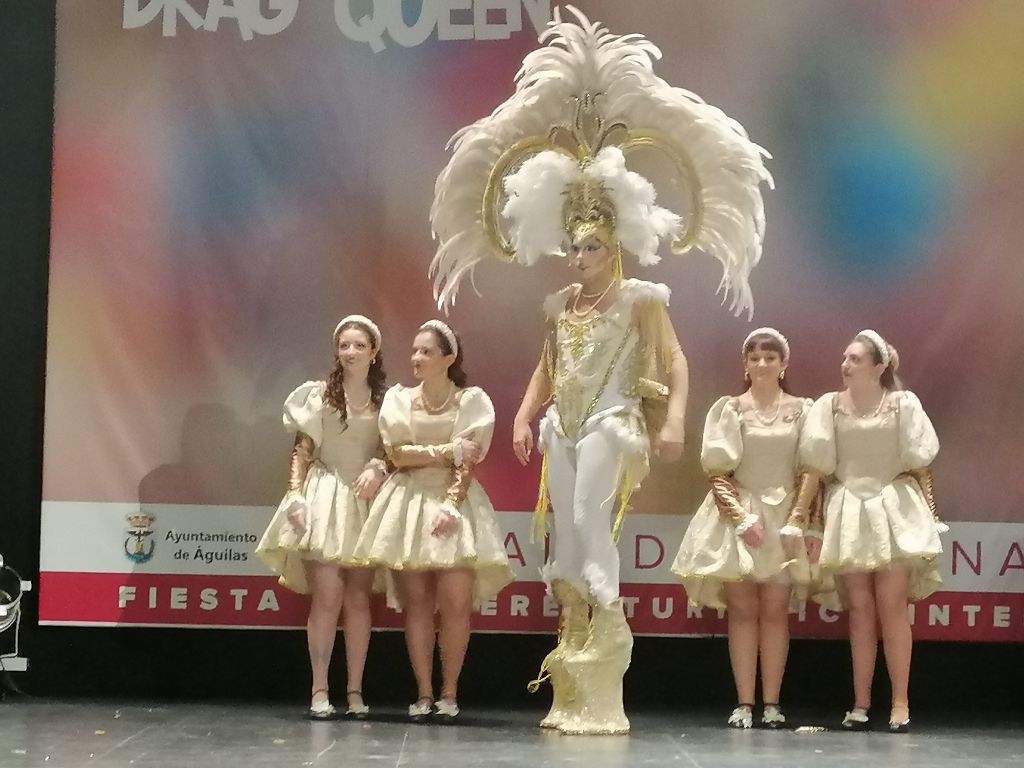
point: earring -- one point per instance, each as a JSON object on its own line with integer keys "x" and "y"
{"x": 782, "y": 375}
{"x": 617, "y": 266}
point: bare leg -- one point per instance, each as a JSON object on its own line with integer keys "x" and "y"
{"x": 863, "y": 634}
{"x": 741, "y": 602}
{"x": 891, "y": 599}
{"x": 774, "y": 638}
{"x": 327, "y": 583}
{"x": 418, "y": 592}
{"x": 455, "y": 601}
{"x": 358, "y": 586}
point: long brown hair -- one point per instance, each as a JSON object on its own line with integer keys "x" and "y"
{"x": 334, "y": 393}
{"x": 765, "y": 342}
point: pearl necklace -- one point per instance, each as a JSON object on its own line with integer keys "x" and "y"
{"x": 859, "y": 415}
{"x": 762, "y": 419}
{"x": 358, "y": 408}
{"x": 581, "y": 295}
{"x": 431, "y": 409}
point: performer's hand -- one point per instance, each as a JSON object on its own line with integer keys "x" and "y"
{"x": 754, "y": 535}
{"x": 367, "y": 484}
{"x": 813, "y": 544}
{"x": 445, "y": 525}
{"x": 669, "y": 444}
{"x": 522, "y": 441}
{"x": 471, "y": 452}
{"x": 297, "y": 512}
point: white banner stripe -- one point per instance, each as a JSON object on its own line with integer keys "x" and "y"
{"x": 97, "y": 537}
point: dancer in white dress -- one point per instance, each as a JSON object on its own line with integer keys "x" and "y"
{"x": 336, "y": 467}
{"x": 735, "y": 553}
{"x": 432, "y": 524}
{"x": 874, "y": 443}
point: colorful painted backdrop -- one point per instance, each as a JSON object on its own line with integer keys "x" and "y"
{"x": 230, "y": 178}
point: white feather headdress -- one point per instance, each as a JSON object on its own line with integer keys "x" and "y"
{"x": 583, "y": 102}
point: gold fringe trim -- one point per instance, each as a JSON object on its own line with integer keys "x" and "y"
{"x": 540, "y": 512}
{"x": 542, "y": 676}
{"x": 625, "y": 494}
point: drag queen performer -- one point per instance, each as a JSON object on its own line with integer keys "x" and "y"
{"x": 336, "y": 467}
{"x": 735, "y": 554}
{"x": 545, "y": 174}
{"x": 432, "y": 523}
{"x": 874, "y": 442}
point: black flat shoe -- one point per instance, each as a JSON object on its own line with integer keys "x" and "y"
{"x": 899, "y": 726}
{"x": 357, "y": 711}
{"x": 421, "y": 710}
{"x": 772, "y": 717}
{"x": 856, "y": 720}
{"x": 322, "y": 711}
{"x": 446, "y": 711}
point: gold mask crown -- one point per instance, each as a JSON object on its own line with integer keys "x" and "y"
{"x": 588, "y": 211}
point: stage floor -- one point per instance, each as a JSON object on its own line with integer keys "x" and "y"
{"x": 69, "y": 734}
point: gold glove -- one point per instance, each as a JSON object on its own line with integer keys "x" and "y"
{"x": 723, "y": 489}
{"x": 410, "y": 456}
{"x": 807, "y": 485}
{"x": 459, "y": 487}
{"x": 302, "y": 457}
{"x": 924, "y": 479}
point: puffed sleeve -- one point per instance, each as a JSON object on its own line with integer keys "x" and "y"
{"x": 475, "y": 420}
{"x": 918, "y": 442}
{"x": 722, "y": 448}
{"x": 818, "y": 437}
{"x": 303, "y": 411}
{"x": 393, "y": 420}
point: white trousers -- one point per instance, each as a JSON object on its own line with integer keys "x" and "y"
{"x": 583, "y": 485}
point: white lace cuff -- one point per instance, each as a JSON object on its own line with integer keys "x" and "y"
{"x": 748, "y": 522}
{"x": 941, "y": 527}
{"x": 449, "y": 509}
{"x": 378, "y": 466}
{"x": 293, "y": 496}
{"x": 791, "y": 530}
{"x": 457, "y": 452}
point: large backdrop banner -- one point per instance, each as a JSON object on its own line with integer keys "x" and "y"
{"x": 231, "y": 178}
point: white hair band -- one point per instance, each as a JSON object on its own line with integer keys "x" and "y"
{"x": 879, "y": 343}
{"x": 362, "y": 320}
{"x": 783, "y": 341}
{"x": 444, "y": 330}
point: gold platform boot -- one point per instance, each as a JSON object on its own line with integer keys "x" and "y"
{"x": 596, "y": 673}
{"x": 573, "y": 631}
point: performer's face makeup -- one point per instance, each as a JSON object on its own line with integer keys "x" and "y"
{"x": 859, "y": 368}
{"x": 763, "y": 364}
{"x": 591, "y": 258}
{"x": 355, "y": 350}
{"x": 428, "y": 359}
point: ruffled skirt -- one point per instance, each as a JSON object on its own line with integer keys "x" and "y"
{"x": 713, "y": 554}
{"x": 894, "y": 529}
{"x": 397, "y": 534}
{"x": 336, "y": 518}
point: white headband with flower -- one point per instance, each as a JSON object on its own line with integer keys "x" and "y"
{"x": 766, "y": 331}
{"x": 444, "y": 330}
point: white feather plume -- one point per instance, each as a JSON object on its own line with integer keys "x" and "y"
{"x": 640, "y": 224}
{"x": 536, "y": 195}
{"x": 584, "y": 57}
